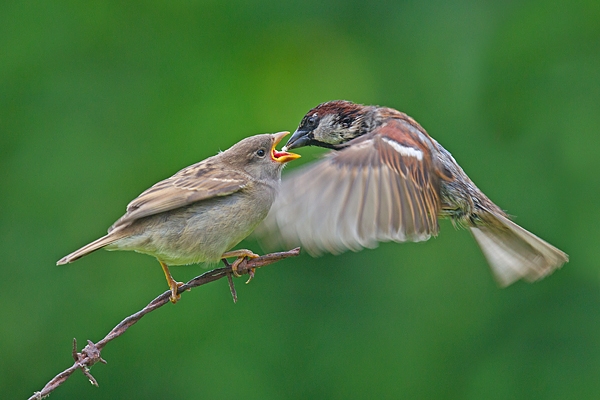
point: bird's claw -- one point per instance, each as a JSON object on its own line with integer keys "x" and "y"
{"x": 241, "y": 255}
{"x": 234, "y": 267}
{"x": 174, "y": 295}
{"x": 251, "y": 275}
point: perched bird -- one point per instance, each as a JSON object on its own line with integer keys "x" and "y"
{"x": 203, "y": 210}
{"x": 388, "y": 180}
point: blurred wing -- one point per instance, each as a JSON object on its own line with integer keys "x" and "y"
{"x": 197, "y": 182}
{"x": 374, "y": 190}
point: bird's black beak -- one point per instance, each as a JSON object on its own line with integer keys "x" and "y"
{"x": 300, "y": 138}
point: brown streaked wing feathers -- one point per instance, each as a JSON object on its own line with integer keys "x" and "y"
{"x": 420, "y": 177}
{"x": 353, "y": 198}
{"x": 197, "y": 182}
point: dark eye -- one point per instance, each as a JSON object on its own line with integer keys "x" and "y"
{"x": 346, "y": 121}
{"x": 261, "y": 152}
{"x": 312, "y": 121}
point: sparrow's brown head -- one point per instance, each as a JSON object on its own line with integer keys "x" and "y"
{"x": 330, "y": 125}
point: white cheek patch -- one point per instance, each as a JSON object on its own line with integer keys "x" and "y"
{"x": 403, "y": 150}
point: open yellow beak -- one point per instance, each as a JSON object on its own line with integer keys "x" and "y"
{"x": 281, "y": 156}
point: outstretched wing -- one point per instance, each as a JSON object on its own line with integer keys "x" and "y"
{"x": 381, "y": 187}
{"x": 197, "y": 182}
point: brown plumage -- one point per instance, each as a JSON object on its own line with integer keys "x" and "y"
{"x": 388, "y": 180}
{"x": 202, "y": 211}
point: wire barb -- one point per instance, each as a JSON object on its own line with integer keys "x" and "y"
{"x": 90, "y": 354}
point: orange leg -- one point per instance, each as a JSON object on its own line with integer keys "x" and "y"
{"x": 240, "y": 254}
{"x": 173, "y": 284}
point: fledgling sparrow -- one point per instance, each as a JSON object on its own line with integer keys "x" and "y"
{"x": 202, "y": 211}
{"x": 388, "y": 180}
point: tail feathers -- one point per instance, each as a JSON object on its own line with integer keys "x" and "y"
{"x": 88, "y": 248}
{"x": 515, "y": 253}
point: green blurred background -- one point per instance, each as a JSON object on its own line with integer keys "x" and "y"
{"x": 98, "y": 101}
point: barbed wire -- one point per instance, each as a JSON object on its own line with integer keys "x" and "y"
{"x": 90, "y": 354}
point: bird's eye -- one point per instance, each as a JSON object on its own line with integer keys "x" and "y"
{"x": 261, "y": 152}
{"x": 312, "y": 121}
{"x": 346, "y": 121}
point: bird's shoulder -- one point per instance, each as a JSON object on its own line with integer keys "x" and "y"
{"x": 403, "y": 137}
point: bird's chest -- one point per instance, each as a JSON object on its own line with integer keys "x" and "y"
{"x": 205, "y": 230}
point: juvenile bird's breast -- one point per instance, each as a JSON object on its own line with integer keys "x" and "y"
{"x": 203, "y": 231}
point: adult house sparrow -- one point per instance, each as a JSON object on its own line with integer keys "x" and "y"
{"x": 388, "y": 180}
{"x": 203, "y": 210}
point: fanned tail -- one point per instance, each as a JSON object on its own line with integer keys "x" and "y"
{"x": 515, "y": 253}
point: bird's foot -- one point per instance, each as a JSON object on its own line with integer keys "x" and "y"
{"x": 241, "y": 255}
{"x": 174, "y": 285}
